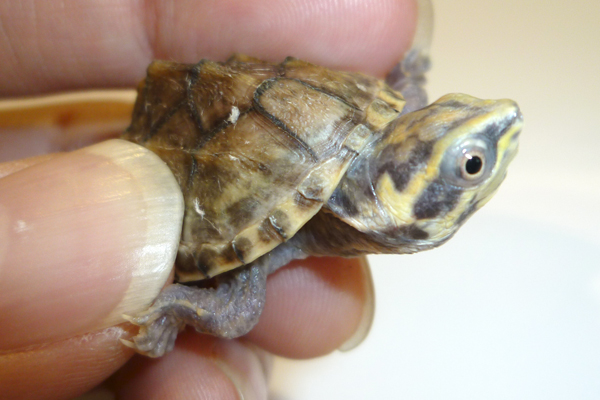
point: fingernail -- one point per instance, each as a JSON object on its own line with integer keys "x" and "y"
{"x": 368, "y": 311}
{"x": 249, "y": 371}
{"x": 163, "y": 214}
{"x": 265, "y": 358}
{"x": 84, "y": 238}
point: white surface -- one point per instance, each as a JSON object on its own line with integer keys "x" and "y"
{"x": 510, "y": 308}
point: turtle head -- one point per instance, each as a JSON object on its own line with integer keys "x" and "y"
{"x": 430, "y": 172}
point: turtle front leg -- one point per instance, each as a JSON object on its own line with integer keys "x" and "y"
{"x": 408, "y": 76}
{"x": 229, "y": 310}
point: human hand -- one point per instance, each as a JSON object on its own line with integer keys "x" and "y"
{"x": 88, "y": 235}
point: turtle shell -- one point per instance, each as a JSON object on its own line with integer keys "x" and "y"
{"x": 258, "y": 148}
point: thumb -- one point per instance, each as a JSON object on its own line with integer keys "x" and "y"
{"x": 84, "y": 237}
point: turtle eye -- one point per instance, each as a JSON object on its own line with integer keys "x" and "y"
{"x": 468, "y": 162}
{"x": 472, "y": 164}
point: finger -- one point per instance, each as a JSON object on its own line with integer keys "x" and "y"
{"x": 315, "y": 306}
{"x": 84, "y": 238}
{"x": 200, "y": 367}
{"x": 110, "y": 43}
{"x": 62, "y": 370}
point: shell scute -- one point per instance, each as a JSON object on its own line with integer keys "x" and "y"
{"x": 356, "y": 89}
{"x": 165, "y": 86}
{"x": 314, "y": 118}
{"x": 257, "y": 148}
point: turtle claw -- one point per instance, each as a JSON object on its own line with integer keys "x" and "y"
{"x": 157, "y": 334}
{"x": 144, "y": 318}
{"x": 129, "y": 319}
{"x": 128, "y": 343}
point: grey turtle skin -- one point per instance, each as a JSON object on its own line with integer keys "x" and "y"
{"x": 283, "y": 161}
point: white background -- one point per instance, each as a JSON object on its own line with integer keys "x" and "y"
{"x": 510, "y": 308}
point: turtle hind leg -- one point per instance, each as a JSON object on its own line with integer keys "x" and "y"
{"x": 229, "y": 310}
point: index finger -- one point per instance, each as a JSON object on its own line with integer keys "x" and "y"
{"x": 50, "y": 46}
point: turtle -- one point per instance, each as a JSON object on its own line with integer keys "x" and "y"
{"x": 281, "y": 161}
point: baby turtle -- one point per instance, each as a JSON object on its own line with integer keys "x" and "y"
{"x": 283, "y": 161}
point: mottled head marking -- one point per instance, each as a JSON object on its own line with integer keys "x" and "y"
{"x": 432, "y": 171}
